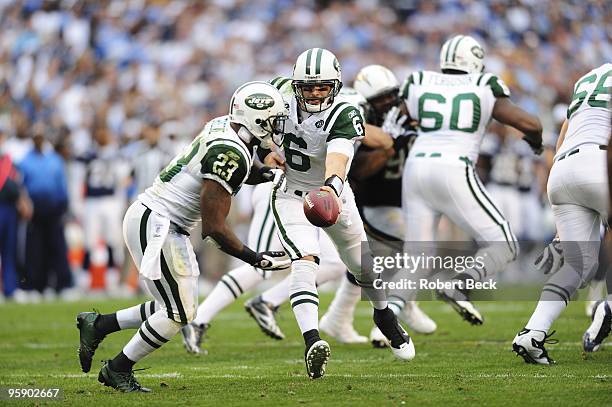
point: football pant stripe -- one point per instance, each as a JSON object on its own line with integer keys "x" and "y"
{"x": 487, "y": 211}
{"x": 285, "y": 241}
{"x": 174, "y": 290}
{"x": 505, "y": 224}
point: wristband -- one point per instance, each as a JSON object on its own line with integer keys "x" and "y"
{"x": 247, "y": 255}
{"x": 335, "y": 183}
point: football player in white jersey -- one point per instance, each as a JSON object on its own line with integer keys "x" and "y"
{"x": 263, "y": 235}
{"x": 197, "y": 185}
{"x": 318, "y": 146}
{"x": 453, "y": 109}
{"x": 578, "y": 193}
{"x": 376, "y": 177}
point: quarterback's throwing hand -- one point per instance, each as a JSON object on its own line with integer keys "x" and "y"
{"x": 271, "y": 260}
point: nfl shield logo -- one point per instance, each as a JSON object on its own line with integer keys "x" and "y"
{"x": 319, "y": 124}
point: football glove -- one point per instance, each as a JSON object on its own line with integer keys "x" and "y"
{"x": 551, "y": 258}
{"x": 393, "y": 124}
{"x": 271, "y": 260}
{"x": 536, "y": 146}
{"x": 277, "y": 177}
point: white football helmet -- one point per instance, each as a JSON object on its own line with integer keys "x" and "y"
{"x": 316, "y": 66}
{"x": 260, "y": 108}
{"x": 462, "y": 53}
{"x": 380, "y": 87}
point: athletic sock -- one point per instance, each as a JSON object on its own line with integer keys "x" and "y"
{"x": 134, "y": 316}
{"x": 121, "y": 363}
{"x": 153, "y": 333}
{"x": 311, "y": 337}
{"x": 106, "y": 324}
{"x": 545, "y": 314}
{"x": 343, "y": 305}
{"x": 303, "y": 294}
{"x": 228, "y": 289}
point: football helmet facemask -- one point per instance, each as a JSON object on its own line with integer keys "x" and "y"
{"x": 316, "y": 68}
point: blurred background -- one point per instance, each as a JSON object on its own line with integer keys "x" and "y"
{"x": 97, "y": 96}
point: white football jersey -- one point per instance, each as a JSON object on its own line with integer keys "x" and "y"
{"x": 589, "y": 111}
{"x": 305, "y": 142}
{"x": 453, "y": 111}
{"x": 217, "y": 153}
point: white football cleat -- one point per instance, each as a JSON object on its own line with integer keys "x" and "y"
{"x": 263, "y": 314}
{"x": 316, "y": 359}
{"x": 377, "y": 339}
{"x": 599, "y": 328}
{"x": 397, "y": 338}
{"x": 343, "y": 333}
{"x": 416, "y": 319}
{"x": 529, "y": 344}
{"x": 589, "y": 308}
{"x": 192, "y": 337}
{"x": 465, "y": 308}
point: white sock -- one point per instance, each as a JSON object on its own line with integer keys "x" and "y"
{"x": 134, "y": 316}
{"x": 343, "y": 305}
{"x": 153, "y": 333}
{"x": 303, "y": 294}
{"x": 545, "y": 314}
{"x": 227, "y": 290}
{"x": 279, "y": 293}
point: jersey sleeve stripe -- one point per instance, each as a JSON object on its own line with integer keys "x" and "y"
{"x": 282, "y": 83}
{"x": 276, "y": 80}
{"x": 479, "y": 79}
{"x": 334, "y": 115}
{"x": 420, "y": 73}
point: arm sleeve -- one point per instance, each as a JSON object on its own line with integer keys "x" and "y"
{"x": 498, "y": 87}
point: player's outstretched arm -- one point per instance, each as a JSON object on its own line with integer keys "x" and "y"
{"x": 215, "y": 203}
{"x": 508, "y": 113}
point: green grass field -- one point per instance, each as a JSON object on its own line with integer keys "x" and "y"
{"x": 457, "y": 365}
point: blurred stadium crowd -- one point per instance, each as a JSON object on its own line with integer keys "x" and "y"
{"x": 97, "y": 96}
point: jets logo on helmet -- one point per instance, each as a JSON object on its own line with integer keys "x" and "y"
{"x": 316, "y": 79}
{"x": 462, "y": 53}
{"x": 259, "y": 101}
{"x": 259, "y": 107}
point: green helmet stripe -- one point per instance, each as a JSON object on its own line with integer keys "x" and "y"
{"x": 448, "y": 47}
{"x": 456, "y": 44}
{"x": 318, "y": 64}
{"x": 308, "y": 57}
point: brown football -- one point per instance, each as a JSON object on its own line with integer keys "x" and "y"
{"x": 321, "y": 208}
